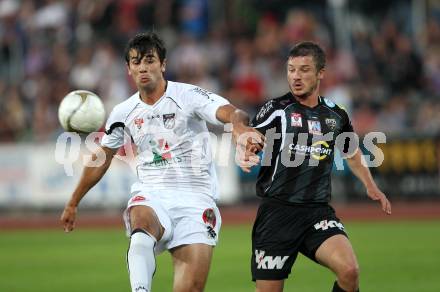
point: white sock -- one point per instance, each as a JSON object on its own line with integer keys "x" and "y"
{"x": 141, "y": 261}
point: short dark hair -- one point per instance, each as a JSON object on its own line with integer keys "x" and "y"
{"x": 144, "y": 43}
{"x": 309, "y": 49}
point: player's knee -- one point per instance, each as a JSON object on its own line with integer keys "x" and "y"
{"x": 349, "y": 274}
{"x": 141, "y": 241}
{"x": 197, "y": 285}
{"x": 148, "y": 223}
{"x": 193, "y": 285}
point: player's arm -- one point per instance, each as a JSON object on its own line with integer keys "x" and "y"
{"x": 240, "y": 122}
{"x": 249, "y": 140}
{"x": 89, "y": 178}
{"x": 364, "y": 174}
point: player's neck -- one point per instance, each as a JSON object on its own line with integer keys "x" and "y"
{"x": 311, "y": 100}
{"x": 150, "y": 97}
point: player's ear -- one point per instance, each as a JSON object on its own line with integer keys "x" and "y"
{"x": 164, "y": 65}
{"x": 321, "y": 73}
{"x": 128, "y": 69}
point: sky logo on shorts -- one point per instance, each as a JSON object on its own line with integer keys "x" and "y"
{"x": 324, "y": 225}
{"x": 269, "y": 262}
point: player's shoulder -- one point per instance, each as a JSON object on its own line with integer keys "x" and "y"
{"x": 180, "y": 89}
{"x": 331, "y": 105}
{"x": 123, "y": 109}
{"x": 272, "y": 105}
{"x": 185, "y": 93}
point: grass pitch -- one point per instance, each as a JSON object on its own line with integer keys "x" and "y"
{"x": 394, "y": 256}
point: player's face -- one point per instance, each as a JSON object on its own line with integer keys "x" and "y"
{"x": 303, "y": 77}
{"x": 146, "y": 71}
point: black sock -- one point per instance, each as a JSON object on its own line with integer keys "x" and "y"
{"x": 336, "y": 288}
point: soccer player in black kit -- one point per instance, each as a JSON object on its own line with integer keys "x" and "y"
{"x": 295, "y": 179}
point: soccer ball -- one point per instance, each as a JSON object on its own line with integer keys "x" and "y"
{"x": 81, "y": 111}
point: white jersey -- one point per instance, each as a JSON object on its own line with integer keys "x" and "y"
{"x": 171, "y": 136}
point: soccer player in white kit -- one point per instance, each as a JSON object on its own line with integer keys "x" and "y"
{"x": 172, "y": 206}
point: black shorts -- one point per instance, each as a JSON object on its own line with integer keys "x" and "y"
{"x": 281, "y": 231}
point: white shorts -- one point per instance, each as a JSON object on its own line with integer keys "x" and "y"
{"x": 186, "y": 217}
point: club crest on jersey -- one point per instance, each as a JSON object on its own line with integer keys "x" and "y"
{"x": 296, "y": 120}
{"x": 169, "y": 120}
{"x": 314, "y": 127}
{"x": 138, "y": 122}
{"x": 331, "y": 123}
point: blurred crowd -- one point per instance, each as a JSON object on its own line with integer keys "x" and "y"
{"x": 383, "y": 61}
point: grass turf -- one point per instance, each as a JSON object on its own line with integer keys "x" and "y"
{"x": 394, "y": 256}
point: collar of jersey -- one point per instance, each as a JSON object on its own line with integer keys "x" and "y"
{"x": 320, "y": 101}
{"x": 158, "y": 101}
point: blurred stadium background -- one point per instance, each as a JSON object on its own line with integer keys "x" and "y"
{"x": 383, "y": 67}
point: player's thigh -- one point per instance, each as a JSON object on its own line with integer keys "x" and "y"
{"x": 191, "y": 266}
{"x": 269, "y": 286}
{"x": 337, "y": 254}
{"x": 144, "y": 217}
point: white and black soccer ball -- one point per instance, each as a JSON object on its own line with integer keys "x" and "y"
{"x": 81, "y": 111}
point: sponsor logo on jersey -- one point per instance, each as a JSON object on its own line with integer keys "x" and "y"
{"x": 265, "y": 262}
{"x": 161, "y": 150}
{"x": 169, "y": 120}
{"x": 138, "y": 122}
{"x": 264, "y": 110}
{"x": 203, "y": 92}
{"x": 329, "y": 103}
{"x": 318, "y": 150}
{"x": 314, "y": 127}
{"x": 163, "y": 154}
{"x": 296, "y": 120}
{"x": 331, "y": 124}
{"x": 324, "y": 225}
{"x": 153, "y": 117}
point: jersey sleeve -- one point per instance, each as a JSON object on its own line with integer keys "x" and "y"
{"x": 348, "y": 149}
{"x": 114, "y": 131}
{"x": 265, "y": 118}
{"x": 204, "y": 104}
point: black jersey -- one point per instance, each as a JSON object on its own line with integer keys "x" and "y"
{"x": 299, "y": 152}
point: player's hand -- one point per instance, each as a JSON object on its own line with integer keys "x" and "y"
{"x": 376, "y": 195}
{"x": 68, "y": 218}
{"x": 245, "y": 137}
{"x": 249, "y": 142}
{"x": 247, "y": 159}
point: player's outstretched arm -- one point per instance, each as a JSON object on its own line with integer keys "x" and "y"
{"x": 364, "y": 174}
{"x": 89, "y": 177}
{"x": 249, "y": 140}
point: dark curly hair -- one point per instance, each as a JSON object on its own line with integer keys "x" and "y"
{"x": 309, "y": 49}
{"x": 144, "y": 43}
